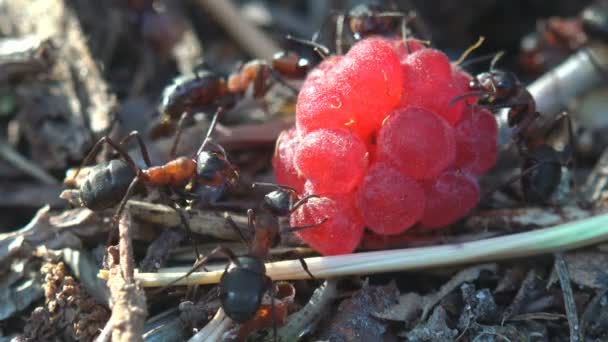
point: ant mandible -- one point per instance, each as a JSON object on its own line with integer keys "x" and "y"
{"x": 113, "y": 183}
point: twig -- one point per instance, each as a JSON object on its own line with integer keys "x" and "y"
{"x": 125, "y": 247}
{"x": 242, "y": 31}
{"x": 597, "y": 181}
{"x": 28, "y": 167}
{"x": 564, "y": 280}
{"x": 129, "y": 311}
{"x": 585, "y": 70}
{"x": 214, "y": 329}
{"x": 562, "y": 237}
{"x": 201, "y": 222}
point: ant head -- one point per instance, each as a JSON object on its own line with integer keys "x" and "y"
{"x": 279, "y": 202}
{"x": 214, "y": 168}
{"x": 367, "y": 19}
{"x": 498, "y": 84}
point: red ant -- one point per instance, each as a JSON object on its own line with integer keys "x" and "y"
{"x": 112, "y": 183}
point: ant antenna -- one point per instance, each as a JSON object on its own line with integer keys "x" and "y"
{"x": 277, "y": 186}
{"x": 470, "y": 49}
{"x": 497, "y": 57}
{"x": 465, "y": 95}
{"x": 479, "y": 59}
{"x": 320, "y": 49}
{"x": 218, "y": 112}
{"x": 299, "y": 228}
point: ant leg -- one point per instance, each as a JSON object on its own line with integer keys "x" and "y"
{"x": 300, "y": 202}
{"x": 186, "y": 225}
{"x": 201, "y": 262}
{"x": 251, "y": 221}
{"x": 218, "y": 112}
{"x": 178, "y": 134}
{"x": 510, "y": 181}
{"x": 235, "y": 227}
{"x": 279, "y": 78}
{"x": 140, "y": 142}
{"x": 305, "y": 267}
{"x": 297, "y": 229}
{"x": 121, "y": 207}
{"x": 120, "y": 150}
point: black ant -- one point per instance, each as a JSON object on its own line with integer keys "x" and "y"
{"x": 244, "y": 281}
{"x": 365, "y": 20}
{"x": 112, "y": 183}
{"x": 498, "y": 89}
{"x": 542, "y": 169}
{"x": 204, "y": 89}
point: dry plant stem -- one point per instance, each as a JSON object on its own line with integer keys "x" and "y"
{"x": 249, "y": 37}
{"x": 14, "y": 158}
{"x": 562, "y": 237}
{"x": 201, "y": 222}
{"x": 597, "y": 181}
{"x": 583, "y": 71}
{"x": 564, "y": 280}
{"x": 214, "y": 329}
{"x": 129, "y": 310}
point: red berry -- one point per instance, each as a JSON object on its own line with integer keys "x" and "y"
{"x": 323, "y": 105}
{"x": 476, "y": 147}
{"x": 449, "y": 198}
{"x": 342, "y": 231}
{"x": 284, "y": 170}
{"x": 389, "y": 201}
{"x": 355, "y": 92}
{"x": 427, "y": 64}
{"x": 333, "y": 160}
{"x": 402, "y": 50}
{"x": 321, "y": 70}
{"x": 417, "y": 142}
{"x": 428, "y": 84}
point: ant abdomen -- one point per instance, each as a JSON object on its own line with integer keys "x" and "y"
{"x": 242, "y": 288}
{"x": 543, "y": 177}
{"x": 106, "y": 184}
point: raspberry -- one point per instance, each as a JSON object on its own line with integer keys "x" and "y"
{"x": 389, "y": 201}
{"x": 333, "y": 160}
{"x": 417, "y": 142}
{"x": 323, "y": 68}
{"x": 476, "y": 141}
{"x": 322, "y": 105}
{"x": 356, "y": 92}
{"x": 402, "y": 50}
{"x": 428, "y": 83}
{"x": 393, "y": 109}
{"x": 449, "y": 198}
{"x": 342, "y": 231}
{"x": 284, "y": 170}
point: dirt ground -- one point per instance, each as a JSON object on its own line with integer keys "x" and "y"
{"x": 72, "y": 71}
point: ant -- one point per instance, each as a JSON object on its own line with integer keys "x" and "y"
{"x": 542, "y": 168}
{"x": 365, "y": 20}
{"x": 204, "y": 88}
{"x": 498, "y": 89}
{"x": 244, "y": 281}
{"x": 112, "y": 183}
